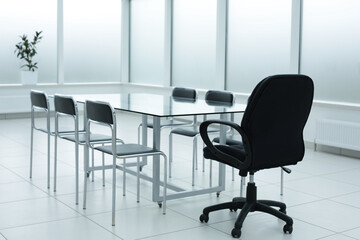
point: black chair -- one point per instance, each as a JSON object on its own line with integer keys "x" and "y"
{"x": 178, "y": 94}
{"x": 212, "y": 97}
{"x": 67, "y": 106}
{"x": 40, "y": 102}
{"x": 272, "y": 136}
{"x": 103, "y": 114}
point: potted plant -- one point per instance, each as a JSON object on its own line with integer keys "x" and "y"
{"x": 26, "y": 51}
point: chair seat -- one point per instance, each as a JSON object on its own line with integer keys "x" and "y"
{"x": 82, "y": 137}
{"x": 233, "y": 150}
{"x": 127, "y": 149}
{"x": 232, "y": 140}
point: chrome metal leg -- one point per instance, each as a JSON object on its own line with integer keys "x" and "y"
{"x": 165, "y": 185}
{"x": 55, "y": 162}
{"x": 282, "y": 182}
{"x": 124, "y": 177}
{"x": 170, "y": 154}
{"x": 77, "y": 173}
{"x": 203, "y": 159}
{"x": 138, "y": 179}
{"x": 232, "y": 174}
{"x": 48, "y": 161}
{"x": 194, "y": 160}
{"x": 103, "y": 170}
{"x": 210, "y": 173}
{"x": 113, "y": 190}
{"x": 92, "y": 165}
{"x": 86, "y": 170}
{"x": 31, "y": 150}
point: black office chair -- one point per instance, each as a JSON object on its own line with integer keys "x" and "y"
{"x": 212, "y": 97}
{"x": 272, "y": 136}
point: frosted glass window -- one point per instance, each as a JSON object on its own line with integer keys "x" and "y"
{"x": 194, "y": 43}
{"x": 92, "y": 31}
{"x": 259, "y": 35}
{"x": 16, "y": 21}
{"x": 331, "y": 48}
{"x": 147, "y": 41}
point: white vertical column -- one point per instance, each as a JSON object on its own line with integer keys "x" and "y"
{"x": 221, "y": 42}
{"x": 125, "y": 41}
{"x": 60, "y": 42}
{"x": 296, "y": 31}
{"x": 168, "y": 43}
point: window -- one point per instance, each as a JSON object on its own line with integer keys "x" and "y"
{"x": 92, "y": 43}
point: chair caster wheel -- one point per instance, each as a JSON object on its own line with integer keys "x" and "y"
{"x": 236, "y": 233}
{"x": 217, "y": 194}
{"x": 204, "y": 218}
{"x": 88, "y": 174}
{"x": 288, "y": 228}
{"x": 160, "y": 204}
{"x": 233, "y": 209}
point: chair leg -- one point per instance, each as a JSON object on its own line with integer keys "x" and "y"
{"x": 77, "y": 173}
{"x": 203, "y": 159}
{"x": 55, "y": 162}
{"x": 271, "y": 203}
{"x": 113, "y": 190}
{"x": 281, "y": 182}
{"x": 210, "y": 173}
{"x": 267, "y": 209}
{"x": 170, "y": 154}
{"x": 103, "y": 167}
{"x": 195, "y": 158}
{"x": 124, "y": 177}
{"x": 242, "y": 183}
{"x": 165, "y": 185}
{"x": 138, "y": 179}
{"x": 86, "y": 170}
{"x": 92, "y": 165}
{"x": 48, "y": 157}
{"x": 194, "y": 162}
{"x": 31, "y": 150}
{"x": 233, "y": 174}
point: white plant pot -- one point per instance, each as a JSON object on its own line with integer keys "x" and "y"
{"x": 29, "y": 77}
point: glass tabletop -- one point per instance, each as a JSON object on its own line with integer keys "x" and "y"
{"x": 161, "y": 105}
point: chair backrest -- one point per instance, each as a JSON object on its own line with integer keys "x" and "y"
{"x": 184, "y": 93}
{"x": 65, "y": 104}
{"x": 100, "y": 112}
{"x": 39, "y": 99}
{"x": 214, "y": 97}
{"x": 274, "y": 120}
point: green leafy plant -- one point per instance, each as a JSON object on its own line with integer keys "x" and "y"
{"x": 26, "y": 50}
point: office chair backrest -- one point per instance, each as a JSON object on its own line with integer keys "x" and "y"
{"x": 99, "y": 112}
{"x": 184, "y": 93}
{"x": 274, "y": 120}
{"x": 39, "y": 99}
{"x": 65, "y": 104}
{"x": 221, "y": 97}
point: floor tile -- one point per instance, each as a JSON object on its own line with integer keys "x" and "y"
{"x": 145, "y": 222}
{"x": 327, "y": 214}
{"x": 69, "y": 229}
{"x": 352, "y": 199}
{"x": 354, "y": 233}
{"x": 7, "y": 176}
{"x": 99, "y": 201}
{"x": 17, "y": 191}
{"x": 258, "y": 226}
{"x": 337, "y": 237}
{"x": 33, "y": 211}
{"x": 322, "y": 187}
{"x": 194, "y": 233}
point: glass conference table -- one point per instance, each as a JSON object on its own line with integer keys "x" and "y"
{"x": 157, "y": 107}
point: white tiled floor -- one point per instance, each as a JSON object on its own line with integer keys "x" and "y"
{"x": 322, "y": 194}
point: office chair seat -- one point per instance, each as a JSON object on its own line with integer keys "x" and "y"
{"x": 98, "y": 138}
{"x": 127, "y": 149}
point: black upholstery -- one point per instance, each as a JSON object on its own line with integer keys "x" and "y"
{"x": 64, "y": 104}
{"x": 99, "y": 112}
{"x": 214, "y": 97}
{"x": 179, "y": 93}
{"x": 272, "y": 136}
{"x": 39, "y": 99}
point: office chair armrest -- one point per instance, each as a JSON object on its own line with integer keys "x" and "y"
{"x": 221, "y": 155}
